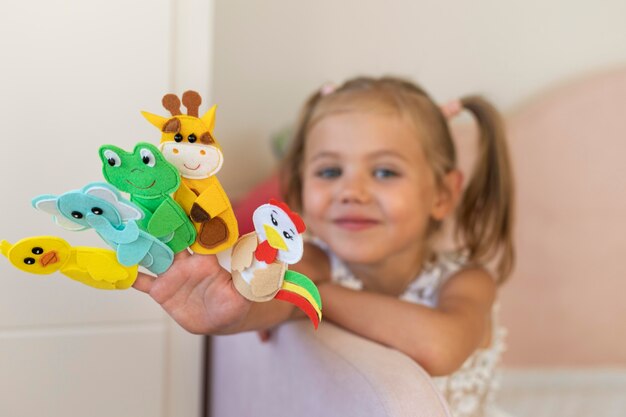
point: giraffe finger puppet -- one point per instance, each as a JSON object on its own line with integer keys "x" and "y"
{"x": 94, "y": 267}
{"x": 101, "y": 207}
{"x": 150, "y": 179}
{"x": 260, "y": 259}
{"x": 187, "y": 142}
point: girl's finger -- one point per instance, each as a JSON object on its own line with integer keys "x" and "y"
{"x": 144, "y": 282}
{"x": 184, "y": 254}
{"x": 264, "y": 335}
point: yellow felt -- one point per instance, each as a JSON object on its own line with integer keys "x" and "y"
{"x": 52, "y": 247}
{"x": 288, "y": 286}
{"x": 155, "y": 120}
{"x": 274, "y": 238}
{"x": 213, "y": 200}
{"x": 209, "y": 118}
{"x": 185, "y": 197}
{"x": 103, "y": 269}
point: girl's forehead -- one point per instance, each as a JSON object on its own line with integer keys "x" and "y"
{"x": 362, "y": 132}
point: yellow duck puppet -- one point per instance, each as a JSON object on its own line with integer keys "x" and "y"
{"x": 259, "y": 261}
{"x": 187, "y": 142}
{"x": 95, "y": 267}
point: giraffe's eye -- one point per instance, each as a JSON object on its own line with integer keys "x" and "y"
{"x": 29, "y": 261}
{"x": 77, "y": 215}
{"x": 37, "y": 250}
{"x": 178, "y": 137}
{"x": 112, "y": 158}
{"x": 192, "y": 138}
{"x": 97, "y": 211}
{"x": 147, "y": 157}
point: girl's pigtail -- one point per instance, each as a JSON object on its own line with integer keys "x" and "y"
{"x": 290, "y": 175}
{"x": 485, "y": 214}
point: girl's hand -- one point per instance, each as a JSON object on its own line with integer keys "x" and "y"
{"x": 198, "y": 294}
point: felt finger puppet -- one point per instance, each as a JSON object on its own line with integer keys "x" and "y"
{"x": 149, "y": 179}
{"x": 101, "y": 207}
{"x": 260, "y": 258}
{"x": 187, "y": 142}
{"x": 95, "y": 267}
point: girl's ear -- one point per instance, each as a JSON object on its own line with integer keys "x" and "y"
{"x": 448, "y": 195}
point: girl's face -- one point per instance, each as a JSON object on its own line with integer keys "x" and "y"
{"x": 368, "y": 190}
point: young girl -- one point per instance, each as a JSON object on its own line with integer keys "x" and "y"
{"x": 373, "y": 171}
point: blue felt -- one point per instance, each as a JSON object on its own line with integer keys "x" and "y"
{"x": 114, "y": 223}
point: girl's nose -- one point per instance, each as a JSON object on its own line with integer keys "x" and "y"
{"x": 354, "y": 190}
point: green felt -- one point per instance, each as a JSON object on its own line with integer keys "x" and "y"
{"x": 150, "y": 179}
{"x": 304, "y": 282}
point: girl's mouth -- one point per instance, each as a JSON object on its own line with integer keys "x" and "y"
{"x": 355, "y": 223}
{"x": 191, "y": 169}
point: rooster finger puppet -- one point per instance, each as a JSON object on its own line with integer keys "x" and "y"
{"x": 187, "y": 142}
{"x": 95, "y": 267}
{"x": 259, "y": 261}
{"x": 101, "y": 207}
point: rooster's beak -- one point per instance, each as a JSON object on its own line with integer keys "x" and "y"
{"x": 274, "y": 238}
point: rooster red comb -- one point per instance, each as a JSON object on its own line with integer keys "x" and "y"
{"x": 295, "y": 218}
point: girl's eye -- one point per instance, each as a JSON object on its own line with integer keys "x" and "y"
{"x": 331, "y": 172}
{"x": 178, "y": 137}
{"x": 147, "y": 157}
{"x": 112, "y": 158}
{"x": 287, "y": 236}
{"x": 192, "y": 138}
{"x": 274, "y": 222}
{"x": 384, "y": 173}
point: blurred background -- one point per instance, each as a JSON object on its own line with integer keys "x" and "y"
{"x": 75, "y": 75}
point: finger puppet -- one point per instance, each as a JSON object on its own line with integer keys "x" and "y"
{"x": 95, "y": 267}
{"x": 260, "y": 258}
{"x": 187, "y": 142}
{"x": 149, "y": 179}
{"x": 101, "y": 207}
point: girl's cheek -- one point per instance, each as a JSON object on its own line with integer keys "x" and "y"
{"x": 314, "y": 199}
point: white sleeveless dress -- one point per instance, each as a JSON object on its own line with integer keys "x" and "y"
{"x": 470, "y": 390}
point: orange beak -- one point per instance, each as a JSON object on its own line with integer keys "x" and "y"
{"x": 49, "y": 258}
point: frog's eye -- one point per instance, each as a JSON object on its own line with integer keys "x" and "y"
{"x": 112, "y": 158}
{"x": 147, "y": 157}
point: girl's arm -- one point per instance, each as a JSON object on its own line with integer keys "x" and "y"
{"x": 200, "y": 295}
{"x": 439, "y": 339}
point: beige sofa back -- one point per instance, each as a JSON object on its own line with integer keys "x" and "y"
{"x": 564, "y": 304}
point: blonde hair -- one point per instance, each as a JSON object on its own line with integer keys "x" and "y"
{"x": 484, "y": 217}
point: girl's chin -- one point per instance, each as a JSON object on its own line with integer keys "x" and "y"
{"x": 358, "y": 251}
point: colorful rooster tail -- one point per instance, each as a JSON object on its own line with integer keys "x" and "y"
{"x": 299, "y": 290}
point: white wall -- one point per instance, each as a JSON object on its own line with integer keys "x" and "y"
{"x": 270, "y": 54}
{"x": 73, "y": 76}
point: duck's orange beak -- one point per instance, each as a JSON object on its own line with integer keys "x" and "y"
{"x": 49, "y": 258}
